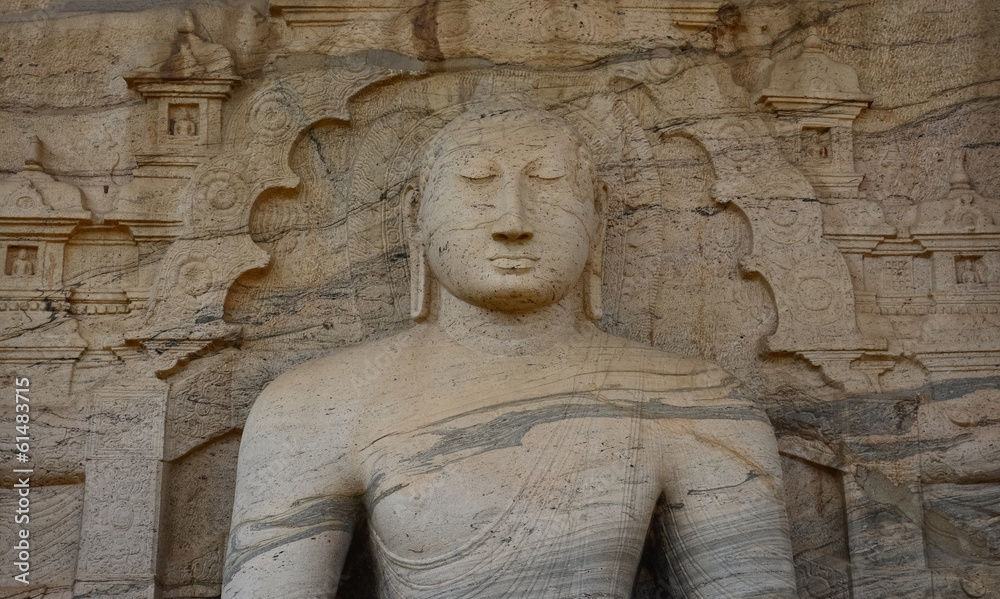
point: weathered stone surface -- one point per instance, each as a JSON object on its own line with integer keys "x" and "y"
{"x": 803, "y": 192}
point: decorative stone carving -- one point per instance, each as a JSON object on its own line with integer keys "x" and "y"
{"x": 22, "y": 264}
{"x": 37, "y": 216}
{"x": 817, "y": 100}
{"x": 120, "y": 513}
{"x": 188, "y": 296}
{"x": 200, "y": 406}
{"x": 123, "y": 495}
{"x": 181, "y": 127}
{"x": 184, "y": 97}
{"x": 807, "y": 275}
{"x": 933, "y": 281}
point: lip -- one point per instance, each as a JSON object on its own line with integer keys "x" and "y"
{"x": 514, "y": 263}
{"x": 514, "y": 257}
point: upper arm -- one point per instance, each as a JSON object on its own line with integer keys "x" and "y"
{"x": 297, "y": 494}
{"x": 724, "y": 522}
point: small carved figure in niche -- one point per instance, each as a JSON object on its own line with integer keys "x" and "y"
{"x": 969, "y": 271}
{"x": 964, "y": 214}
{"x": 184, "y": 125}
{"x": 505, "y": 446}
{"x": 816, "y": 143}
{"x": 22, "y": 265}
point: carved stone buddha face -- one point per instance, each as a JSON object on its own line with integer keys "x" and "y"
{"x": 509, "y": 218}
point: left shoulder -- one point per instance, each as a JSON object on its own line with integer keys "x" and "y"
{"x": 670, "y": 377}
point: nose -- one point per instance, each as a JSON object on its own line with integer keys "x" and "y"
{"x": 512, "y": 225}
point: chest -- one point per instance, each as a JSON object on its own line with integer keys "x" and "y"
{"x": 524, "y": 475}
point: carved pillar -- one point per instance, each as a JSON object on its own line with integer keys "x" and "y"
{"x": 124, "y": 469}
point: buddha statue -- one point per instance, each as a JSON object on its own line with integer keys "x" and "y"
{"x": 505, "y": 446}
{"x": 22, "y": 265}
{"x": 185, "y": 126}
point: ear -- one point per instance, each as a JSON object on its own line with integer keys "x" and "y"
{"x": 593, "y": 302}
{"x": 419, "y": 274}
{"x": 601, "y": 193}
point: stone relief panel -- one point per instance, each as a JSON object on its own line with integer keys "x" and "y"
{"x": 121, "y": 518}
{"x": 54, "y": 540}
{"x": 706, "y": 256}
{"x": 804, "y": 194}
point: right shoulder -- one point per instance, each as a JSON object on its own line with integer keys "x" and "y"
{"x": 329, "y": 389}
{"x": 304, "y": 428}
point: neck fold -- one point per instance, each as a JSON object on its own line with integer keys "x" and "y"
{"x": 503, "y": 333}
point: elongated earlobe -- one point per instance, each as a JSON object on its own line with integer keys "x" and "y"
{"x": 419, "y": 273}
{"x": 593, "y": 302}
{"x": 419, "y": 288}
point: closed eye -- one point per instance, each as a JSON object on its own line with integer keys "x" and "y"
{"x": 545, "y": 171}
{"x": 547, "y": 176}
{"x": 479, "y": 177}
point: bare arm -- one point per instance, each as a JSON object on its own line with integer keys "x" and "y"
{"x": 724, "y": 526}
{"x": 297, "y": 496}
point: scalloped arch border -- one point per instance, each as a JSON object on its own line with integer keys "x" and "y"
{"x": 786, "y": 224}
{"x": 217, "y": 200}
{"x": 788, "y": 249}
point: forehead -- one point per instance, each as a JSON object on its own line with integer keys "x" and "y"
{"x": 501, "y": 133}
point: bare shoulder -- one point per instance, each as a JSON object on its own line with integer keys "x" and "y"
{"x": 327, "y": 389}
{"x": 309, "y": 418}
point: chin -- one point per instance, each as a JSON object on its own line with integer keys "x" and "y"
{"x": 516, "y": 300}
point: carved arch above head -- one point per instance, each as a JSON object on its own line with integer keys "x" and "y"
{"x": 807, "y": 275}
{"x": 188, "y": 295}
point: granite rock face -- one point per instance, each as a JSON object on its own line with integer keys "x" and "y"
{"x": 198, "y": 198}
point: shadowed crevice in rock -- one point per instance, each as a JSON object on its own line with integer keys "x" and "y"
{"x": 425, "y": 31}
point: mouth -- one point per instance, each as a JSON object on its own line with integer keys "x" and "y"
{"x": 514, "y": 263}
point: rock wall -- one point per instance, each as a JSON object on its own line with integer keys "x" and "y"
{"x": 197, "y": 196}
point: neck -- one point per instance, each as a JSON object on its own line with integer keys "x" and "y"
{"x": 495, "y": 332}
